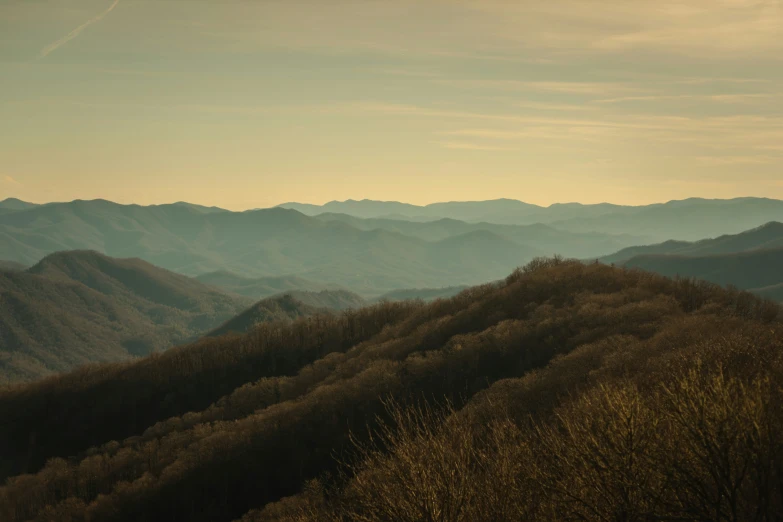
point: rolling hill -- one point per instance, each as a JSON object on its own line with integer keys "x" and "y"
{"x": 751, "y": 260}
{"x": 566, "y": 391}
{"x": 261, "y": 287}
{"x": 766, "y": 236}
{"x": 280, "y": 308}
{"x": 751, "y": 270}
{"x": 425, "y": 294}
{"x": 78, "y": 307}
{"x": 289, "y": 306}
{"x": 15, "y": 204}
{"x": 11, "y": 265}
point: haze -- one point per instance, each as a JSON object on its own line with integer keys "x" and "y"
{"x": 251, "y": 104}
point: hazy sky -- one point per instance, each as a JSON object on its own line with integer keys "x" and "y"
{"x": 250, "y": 103}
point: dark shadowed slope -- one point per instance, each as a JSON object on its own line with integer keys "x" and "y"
{"x": 74, "y": 308}
{"x": 425, "y": 294}
{"x": 11, "y": 265}
{"x": 331, "y": 299}
{"x": 774, "y": 292}
{"x": 211, "y": 431}
{"x": 746, "y": 270}
{"x": 279, "y": 308}
{"x": 769, "y": 235}
{"x": 289, "y": 306}
{"x": 261, "y": 287}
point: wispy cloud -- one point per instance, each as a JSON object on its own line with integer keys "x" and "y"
{"x": 554, "y": 106}
{"x": 11, "y": 181}
{"x": 720, "y": 98}
{"x": 461, "y": 145}
{"x": 737, "y": 160}
{"x": 46, "y": 51}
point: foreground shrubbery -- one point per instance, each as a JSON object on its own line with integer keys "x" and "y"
{"x": 571, "y": 392}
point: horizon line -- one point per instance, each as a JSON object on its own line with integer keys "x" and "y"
{"x": 367, "y": 200}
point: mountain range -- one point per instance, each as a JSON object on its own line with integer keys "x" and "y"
{"x": 366, "y": 258}
{"x": 688, "y": 219}
{"x": 80, "y": 307}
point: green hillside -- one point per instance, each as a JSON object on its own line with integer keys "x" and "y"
{"x": 746, "y": 270}
{"x": 79, "y": 307}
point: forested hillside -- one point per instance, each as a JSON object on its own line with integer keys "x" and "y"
{"x": 261, "y": 287}
{"x": 567, "y": 391}
{"x": 751, "y": 260}
{"x": 765, "y": 237}
{"x": 74, "y": 308}
{"x": 283, "y": 308}
{"x": 753, "y": 270}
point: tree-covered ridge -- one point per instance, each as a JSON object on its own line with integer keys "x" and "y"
{"x": 750, "y": 260}
{"x": 230, "y": 427}
{"x": 74, "y": 308}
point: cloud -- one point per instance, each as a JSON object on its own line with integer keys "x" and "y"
{"x": 554, "y": 106}
{"x": 737, "y": 160}
{"x": 46, "y": 51}
{"x": 11, "y": 181}
{"x": 720, "y": 98}
{"x": 459, "y": 145}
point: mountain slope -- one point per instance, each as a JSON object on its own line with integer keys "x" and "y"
{"x": 769, "y": 235}
{"x": 74, "y": 308}
{"x": 746, "y": 270}
{"x": 253, "y": 419}
{"x": 280, "y": 308}
{"x": 11, "y": 265}
{"x": 425, "y": 294}
{"x": 261, "y": 287}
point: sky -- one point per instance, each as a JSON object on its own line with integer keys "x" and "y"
{"x": 251, "y": 103}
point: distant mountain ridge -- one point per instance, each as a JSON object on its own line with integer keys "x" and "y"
{"x": 687, "y": 219}
{"x": 766, "y": 236}
{"x": 751, "y": 260}
{"x": 259, "y": 244}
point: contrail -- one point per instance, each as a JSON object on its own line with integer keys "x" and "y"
{"x": 76, "y": 32}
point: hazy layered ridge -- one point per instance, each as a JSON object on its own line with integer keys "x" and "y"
{"x": 766, "y": 236}
{"x": 753, "y": 270}
{"x": 751, "y": 260}
{"x": 688, "y": 219}
{"x": 251, "y": 418}
{"x": 79, "y": 307}
{"x": 277, "y": 242}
